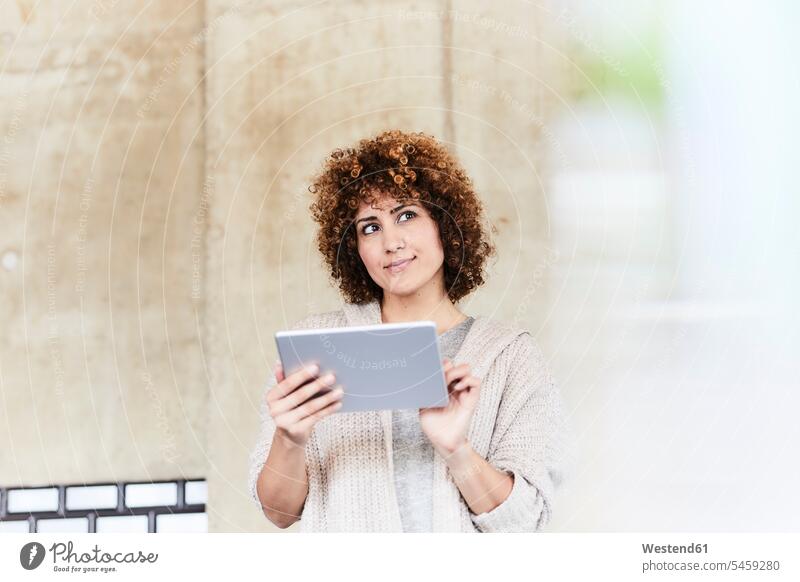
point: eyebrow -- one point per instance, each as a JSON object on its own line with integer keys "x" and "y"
{"x": 390, "y": 212}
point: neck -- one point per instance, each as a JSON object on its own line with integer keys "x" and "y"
{"x": 434, "y": 306}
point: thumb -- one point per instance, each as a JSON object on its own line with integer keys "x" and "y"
{"x": 279, "y": 375}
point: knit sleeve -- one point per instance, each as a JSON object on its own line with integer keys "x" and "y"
{"x": 260, "y": 452}
{"x": 528, "y": 442}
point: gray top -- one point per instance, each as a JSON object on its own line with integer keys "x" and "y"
{"x": 413, "y": 452}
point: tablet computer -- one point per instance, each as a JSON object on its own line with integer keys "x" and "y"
{"x": 384, "y": 366}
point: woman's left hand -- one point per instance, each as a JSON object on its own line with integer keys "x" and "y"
{"x": 447, "y": 427}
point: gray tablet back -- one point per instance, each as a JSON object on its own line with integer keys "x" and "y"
{"x": 384, "y": 366}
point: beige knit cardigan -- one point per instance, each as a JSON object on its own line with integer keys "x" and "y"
{"x": 518, "y": 427}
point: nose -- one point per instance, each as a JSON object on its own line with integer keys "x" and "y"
{"x": 393, "y": 240}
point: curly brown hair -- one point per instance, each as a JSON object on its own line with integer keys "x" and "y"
{"x": 404, "y": 166}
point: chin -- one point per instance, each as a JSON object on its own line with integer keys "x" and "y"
{"x": 401, "y": 290}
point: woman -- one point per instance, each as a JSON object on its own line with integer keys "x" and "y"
{"x": 400, "y": 227}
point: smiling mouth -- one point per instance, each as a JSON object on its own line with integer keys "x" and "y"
{"x": 400, "y": 266}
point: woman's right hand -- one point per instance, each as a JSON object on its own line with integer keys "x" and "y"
{"x": 289, "y": 405}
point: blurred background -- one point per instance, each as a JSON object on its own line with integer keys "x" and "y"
{"x": 637, "y": 159}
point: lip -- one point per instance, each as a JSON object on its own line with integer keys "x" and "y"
{"x": 401, "y": 266}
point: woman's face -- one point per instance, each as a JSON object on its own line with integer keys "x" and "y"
{"x": 392, "y": 230}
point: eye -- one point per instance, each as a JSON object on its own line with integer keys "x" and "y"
{"x": 366, "y": 226}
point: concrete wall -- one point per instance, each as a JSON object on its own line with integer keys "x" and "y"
{"x": 101, "y": 172}
{"x": 164, "y": 156}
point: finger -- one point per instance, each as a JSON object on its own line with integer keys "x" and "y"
{"x": 471, "y": 396}
{"x": 279, "y": 375}
{"x": 469, "y": 381}
{"x": 302, "y": 394}
{"x": 295, "y": 380}
{"x": 314, "y": 405}
{"x": 315, "y": 417}
{"x": 456, "y": 373}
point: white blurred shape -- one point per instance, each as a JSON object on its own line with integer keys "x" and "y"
{"x": 92, "y": 497}
{"x": 10, "y": 260}
{"x": 17, "y": 526}
{"x": 25, "y": 500}
{"x": 63, "y": 525}
{"x": 196, "y": 492}
{"x": 150, "y": 494}
{"x": 182, "y": 523}
{"x": 121, "y": 524}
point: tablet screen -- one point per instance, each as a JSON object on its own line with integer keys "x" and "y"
{"x": 385, "y": 366}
